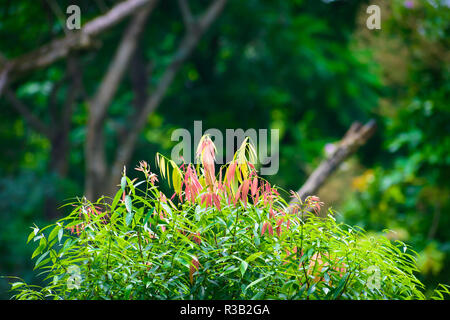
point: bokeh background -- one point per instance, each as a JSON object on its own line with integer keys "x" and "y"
{"x": 307, "y": 68}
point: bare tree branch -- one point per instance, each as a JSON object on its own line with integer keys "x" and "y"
{"x": 61, "y": 130}
{"x": 186, "y": 14}
{"x": 60, "y": 48}
{"x": 355, "y": 137}
{"x": 32, "y": 120}
{"x": 140, "y": 75}
{"x": 74, "y": 72}
{"x": 187, "y": 45}
{"x": 53, "y": 97}
{"x": 5, "y": 66}
{"x": 4, "y": 78}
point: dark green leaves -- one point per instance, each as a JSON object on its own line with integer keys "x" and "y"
{"x": 340, "y": 287}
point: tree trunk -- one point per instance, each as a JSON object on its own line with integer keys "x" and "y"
{"x": 59, "y": 136}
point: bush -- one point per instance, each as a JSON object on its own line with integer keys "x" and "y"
{"x": 220, "y": 236}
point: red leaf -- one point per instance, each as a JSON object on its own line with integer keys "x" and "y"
{"x": 238, "y": 194}
{"x": 271, "y": 212}
{"x": 254, "y": 186}
{"x": 216, "y": 201}
{"x": 264, "y": 227}
{"x": 231, "y": 171}
{"x": 270, "y": 229}
{"x": 244, "y": 192}
{"x": 197, "y": 238}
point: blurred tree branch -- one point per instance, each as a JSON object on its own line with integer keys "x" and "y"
{"x": 356, "y": 136}
{"x": 60, "y": 48}
{"x": 25, "y": 111}
{"x": 186, "y": 14}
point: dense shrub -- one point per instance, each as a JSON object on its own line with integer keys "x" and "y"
{"x": 220, "y": 236}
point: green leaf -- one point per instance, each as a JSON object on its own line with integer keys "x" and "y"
{"x": 128, "y": 203}
{"x": 162, "y": 167}
{"x": 256, "y": 282}
{"x": 184, "y": 260}
{"x": 54, "y": 232}
{"x": 149, "y": 214}
{"x": 116, "y": 200}
{"x": 253, "y": 256}
{"x": 258, "y": 296}
{"x": 38, "y": 261}
{"x": 176, "y": 177}
{"x": 123, "y": 183}
{"x": 38, "y": 249}
{"x": 60, "y": 234}
{"x": 16, "y": 285}
{"x": 138, "y": 184}
{"x": 130, "y": 185}
{"x": 311, "y": 289}
{"x": 243, "y": 267}
{"x": 129, "y": 218}
{"x": 31, "y": 236}
{"x": 340, "y": 286}
{"x": 230, "y": 270}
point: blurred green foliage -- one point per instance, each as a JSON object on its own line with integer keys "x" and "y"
{"x": 307, "y": 67}
{"x": 408, "y": 190}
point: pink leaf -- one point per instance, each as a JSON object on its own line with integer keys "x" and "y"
{"x": 264, "y": 227}
{"x": 254, "y": 186}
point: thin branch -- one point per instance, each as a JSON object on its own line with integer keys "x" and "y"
{"x": 355, "y": 137}
{"x": 5, "y": 66}
{"x": 4, "y": 78}
{"x": 186, "y": 14}
{"x": 74, "y": 72}
{"x": 140, "y": 73}
{"x": 32, "y": 120}
{"x": 53, "y": 97}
